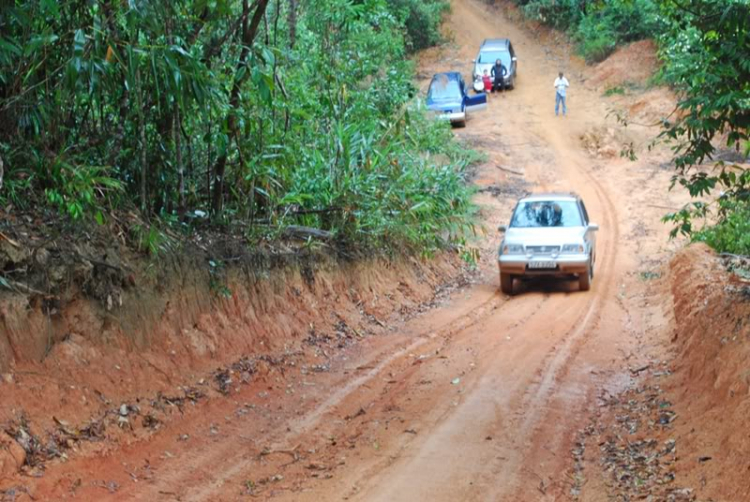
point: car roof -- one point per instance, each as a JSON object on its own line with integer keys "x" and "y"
{"x": 451, "y": 75}
{"x": 550, "y": 196}
{"x": 495, "y": 43}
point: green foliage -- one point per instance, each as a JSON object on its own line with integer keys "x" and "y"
{"x": 615, "y": 22}
{"x": 596, "y": 43}
{"x": 616, "y": 90}
{"x": 707, "y": 59}
{"x": 268, "y": 113}
{"x": 81, "y": 190}
{"x": 151, "y": 238}
{"x": 421, "y": 20}
{"x": 218, "y": 280}
{"x": 598, "y": 27}
{"x": 705, "y": 48}
{"x": 560, "y": 14}
{"x": 732, "y": 233}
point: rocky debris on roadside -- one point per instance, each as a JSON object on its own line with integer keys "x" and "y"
{"x": 190, "y": 395}
{"x": 12, "y": 456}
{"x": 243, "y": 369}
{"x": 23, "y": 450}
{"x": 601, "y": 143}
{"x": 636, "y": 450}
{"x": 577, "y": 477}
{"x": 254, "y": 488}
{"x": 344, "y": 336}
{"x": 15, "y": 494}
{"x": 19, "y": 437}
{"x": 36, "y": 262}
{"x": 443, "y": 292}
{"x": 739, "y": 266}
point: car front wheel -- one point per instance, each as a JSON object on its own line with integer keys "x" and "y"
{"x": 506, "y": 284}
{"x": 584, "y": 280}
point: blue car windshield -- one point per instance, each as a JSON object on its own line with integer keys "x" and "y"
{"x": 542, "y": 213}
{"x": 444, "y": 89}
{"x": 489, "y": 57}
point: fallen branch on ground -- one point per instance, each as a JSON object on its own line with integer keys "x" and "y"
{"x": 517, "y": 173}
{"x": 19, "y": 287}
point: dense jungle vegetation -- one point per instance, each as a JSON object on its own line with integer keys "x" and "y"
{"x": 285, "y": 114}
{"x": 267, "y": 115}
{"x": 705, "y": 51}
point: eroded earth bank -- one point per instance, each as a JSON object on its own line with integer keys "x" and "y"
{"x": 410, "y": 380}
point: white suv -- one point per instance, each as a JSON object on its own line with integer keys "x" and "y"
{"x": 549, "y": 234}
{"x": 490, "y": 51}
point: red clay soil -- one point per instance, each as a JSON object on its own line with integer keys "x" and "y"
{"x": 681, "y": 431}
{"x": 711, "y": 381}
{"x": 631, "y": 65}
{"x": 170, "y": 350}
{"x": 266, "y": 395}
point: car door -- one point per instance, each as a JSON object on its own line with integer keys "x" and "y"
{"x": 473, "y": 103}
{"x": 476, "y": 102}
{"x": 513, "y": 61}
{"x": 589, "y": 236}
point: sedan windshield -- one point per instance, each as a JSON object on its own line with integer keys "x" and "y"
{"x": 541, "y": 213}
{"x": 444, "y": 89}
{"x": 489, "y": 57}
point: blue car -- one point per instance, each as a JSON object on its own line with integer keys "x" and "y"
{"x": 449, "y": 98}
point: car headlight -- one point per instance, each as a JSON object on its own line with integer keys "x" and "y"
{"x": 511, "y": 249}
{"x": 573, "y": 248}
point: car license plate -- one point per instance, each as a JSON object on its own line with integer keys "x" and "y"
{"x": 542, "y": 264}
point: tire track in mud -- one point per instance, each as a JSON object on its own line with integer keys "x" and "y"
{"x": 421, "y": 459}
{"x": 526, "y": 347}
{"x": 232, "y": 462}
{"x": 530, "y": 414}
{"x": 558, "y": 361}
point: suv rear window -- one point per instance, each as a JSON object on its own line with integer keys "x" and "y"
{"x": 488, "y": 56}
{"x": 552, "y": 213}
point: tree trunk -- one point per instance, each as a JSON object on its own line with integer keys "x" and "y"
{"x": 209, "y": 159}
{"x": 249, "y": 32}
{"x": 181, "y": 206}
{"x": 144, "y": 145}
{"x": 292, "y": 22}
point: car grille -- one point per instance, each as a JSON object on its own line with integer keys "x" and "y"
{"x": 537, "y": 250}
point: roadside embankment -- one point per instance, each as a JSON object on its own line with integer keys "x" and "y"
{"x": 78, "y": 366}
{"x": 711, "y": 380}
{"x": 680, "y": 431}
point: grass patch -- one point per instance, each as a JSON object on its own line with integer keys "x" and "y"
{"x": 649, "y": 275}
{"x": 617, "y": 90}
{"x": 732, "y": 233}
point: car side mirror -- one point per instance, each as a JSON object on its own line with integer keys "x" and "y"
{"x": 514, "y": 58}
{"x": 502, "y": 228}
{"x": 593, "y": 226}
{"x": 473, "y": 60}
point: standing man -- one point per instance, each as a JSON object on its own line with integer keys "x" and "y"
{"x": 561, "y": 86}
{"x": 498, "y": 72}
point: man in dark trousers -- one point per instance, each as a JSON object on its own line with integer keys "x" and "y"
{"x": 498, "y": 74}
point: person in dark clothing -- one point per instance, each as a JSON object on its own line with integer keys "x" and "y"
{"x": 498, "y": 74}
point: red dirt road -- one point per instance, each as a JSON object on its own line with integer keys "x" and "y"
{"x": 480, "y": 398}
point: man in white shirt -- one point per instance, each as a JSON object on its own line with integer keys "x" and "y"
{"x": 561, "y": 86}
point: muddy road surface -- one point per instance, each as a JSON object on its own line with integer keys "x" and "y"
{"x": 480, "y": 398}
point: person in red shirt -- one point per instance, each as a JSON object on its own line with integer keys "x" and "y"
{"x": 487, "y": 82}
